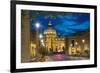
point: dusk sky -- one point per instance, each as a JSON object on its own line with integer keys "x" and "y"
{"x": 65, "y": 23}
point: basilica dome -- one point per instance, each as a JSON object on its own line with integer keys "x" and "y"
{"x": 50, "y": 30}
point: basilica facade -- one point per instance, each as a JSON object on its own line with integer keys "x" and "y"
{"x": 53, "y": 43}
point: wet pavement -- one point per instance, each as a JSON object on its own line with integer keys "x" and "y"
{"x": 58, "y": 57}
{"x": 63, "y": 57}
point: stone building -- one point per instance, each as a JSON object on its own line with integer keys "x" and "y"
{"x": 52, "y": 41}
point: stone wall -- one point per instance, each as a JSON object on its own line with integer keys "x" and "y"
{"x": 25, "y": 36}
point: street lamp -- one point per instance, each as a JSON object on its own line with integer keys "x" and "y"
{"x": 42, "y": 42}
{"x": 41, "y": 36}
{"x": 76, "y": 43}
{"x": 37, "y": 25}
{"x": 70, "y": 45}
{"x": 37, "y": 38}
{"x": 83, "y": 41}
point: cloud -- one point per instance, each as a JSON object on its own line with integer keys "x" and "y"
{"x": 63, "y": 24}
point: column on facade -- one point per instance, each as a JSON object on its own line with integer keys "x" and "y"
{"x": 25, "y": 36}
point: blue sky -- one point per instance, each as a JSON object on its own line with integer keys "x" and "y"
{"x": 65, "y": 23}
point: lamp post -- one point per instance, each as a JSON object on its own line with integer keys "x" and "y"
{"x": 83, "y": 42}
{"x": 37, "y": 38}
{"x": 41, "y": 36}
{"x": 41, "y": 39}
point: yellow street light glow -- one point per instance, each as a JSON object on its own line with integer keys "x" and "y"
{"x": 83, "y": 41}
{"x": 76, "y": 43}
{"x": 42, "y": 41}
{"x": 71, "y": 45}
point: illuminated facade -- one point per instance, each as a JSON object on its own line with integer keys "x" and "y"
{"x": 74, "y": 45}
{"x": 33, "y": 49}
{"x": 79, "y": 44}
{"x": 53, "y": 43}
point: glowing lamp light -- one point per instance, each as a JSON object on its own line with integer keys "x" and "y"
{"x": 37, "y": 25}
{"x": 71, "y": 45}
{"x": 41, "y": 36}
{"x": 83, "y": 41}
{"x": 42, "y": 41}
{"x": 76, "y": 43}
